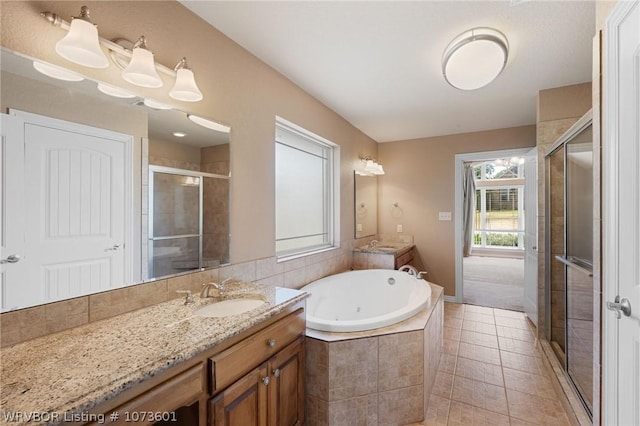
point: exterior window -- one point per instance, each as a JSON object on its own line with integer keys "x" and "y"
{"x": 499, "y": 217}
{"x": 306, "y": 182}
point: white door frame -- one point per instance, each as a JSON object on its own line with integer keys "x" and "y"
{"x": 460, "y": 159}
{"x": 612, "y": 203}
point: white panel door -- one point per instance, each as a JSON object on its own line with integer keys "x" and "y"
{"x": 621, "y": 226}
{"x": 75, "y": 211}
{"x": 531, "y": 236}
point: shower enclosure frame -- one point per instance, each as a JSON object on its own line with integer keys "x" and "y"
{"x": 151, "y": 219}
{"x": 582, "y": 124}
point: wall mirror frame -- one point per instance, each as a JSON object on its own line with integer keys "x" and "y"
{"x": 201, "y": 154}
{"x": 365, "y": 205}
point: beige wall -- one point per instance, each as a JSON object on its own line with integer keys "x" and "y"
{"x": 172, "y": 154}
{"x": 419, "y": 175}
{"x": 239, "y": 90}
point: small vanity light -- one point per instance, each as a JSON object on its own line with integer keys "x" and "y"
{"x": 372, "y": 167}
{"x": 209, "y": 124}
{"x": 475, "y": 58}
{"x": 116, "y": 92}
{"x": 141, "y": 71}
{"x": 56, "y": 72}
{"x": 185, "y": 88}
{"x": 81, "y": 44}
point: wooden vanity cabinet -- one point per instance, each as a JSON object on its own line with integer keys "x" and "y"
{"x": 270, "y": 394}
{"x": 253, "y": 378}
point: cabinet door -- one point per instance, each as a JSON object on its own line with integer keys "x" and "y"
{"x": 244, "y": 403}
{"x": 286, "y": 390}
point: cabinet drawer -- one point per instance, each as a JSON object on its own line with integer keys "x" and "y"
{"x": 404, "y": 259}
{"x": 183, "y": 389}
{"x": 239, "y": 359}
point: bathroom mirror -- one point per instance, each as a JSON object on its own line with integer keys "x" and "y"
{"x": 366, "y": 205}
{"x": 201, "y": 156}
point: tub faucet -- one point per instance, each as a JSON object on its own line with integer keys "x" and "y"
{"x": 420, "y": 274}
{"x": 206, "y": 289}
{"x": 409, "y": 270}
{"x": 373, "y": 244}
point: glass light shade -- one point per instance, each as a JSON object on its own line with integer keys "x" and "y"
{"x": 209, "y": 124}
{"x": 116, "y": 92}
{"x": 141, "y": 70}
{"x": 379, "y": 169}
{"x": 370, "y": 167}
{"x": 475, "y": 58}
{"x": 82, "y": 46}
{"x": 185, "y": 88}
{"x": 56, "y": 72}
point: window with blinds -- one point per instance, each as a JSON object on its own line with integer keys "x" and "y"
{"x": 306, "y": 213}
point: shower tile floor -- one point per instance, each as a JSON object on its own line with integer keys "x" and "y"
{"x": 491, "y": 372}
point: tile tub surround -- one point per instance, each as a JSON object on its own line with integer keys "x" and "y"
{"x": 77, "y": 369}
{"x": 30, "y": 323}
{"x": 375, "y": 377}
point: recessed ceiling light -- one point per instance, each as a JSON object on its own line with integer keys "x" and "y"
{"x": 56, "y": 72}
{"x": 116, "y": 92}
{"x": 179, "y": 134}
{"x": 156, "y": 105}
{"x": 475, "y": 58}
{"x": 209, "y": 124}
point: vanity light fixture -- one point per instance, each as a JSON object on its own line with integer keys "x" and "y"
{"x": 209, "y": 124}
{"x": 185, "y": 87}
{"x": 475, "y": 58}
{"x": 81, "y": 45}
{"x": 371, "y": 167}
{"x": 56, "y": 72}
{"x": 141, "y": 70}
{"x": 115, "y": 91}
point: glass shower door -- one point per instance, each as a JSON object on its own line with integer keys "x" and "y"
{"x": 175, "y": 226}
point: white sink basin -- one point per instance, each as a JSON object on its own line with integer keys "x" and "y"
{"x": 229, "y": 307}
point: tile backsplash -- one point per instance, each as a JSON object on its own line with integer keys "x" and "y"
{"x": 25, "y": 324}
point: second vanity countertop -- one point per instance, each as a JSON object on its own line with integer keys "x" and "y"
{"x": 77, "y": 369}
{"x": 396, "y": 249}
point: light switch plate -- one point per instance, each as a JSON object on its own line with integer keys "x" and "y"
{"x": 444, "y": 215}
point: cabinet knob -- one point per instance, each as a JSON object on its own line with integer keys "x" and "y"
{"x": 271, "y": 343}
{"x": 265, "y": 381}
{"x": 276, "y": 373}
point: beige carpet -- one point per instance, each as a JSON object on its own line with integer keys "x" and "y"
{"x": 494, "y": 282}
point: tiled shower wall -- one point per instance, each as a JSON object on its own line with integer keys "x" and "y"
{"x": 25, "y": 324}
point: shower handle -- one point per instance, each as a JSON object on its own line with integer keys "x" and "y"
{"x": 620, "y": 305}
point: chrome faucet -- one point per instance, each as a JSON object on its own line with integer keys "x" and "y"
{"x": 373, "y": 244}
{"x": 420, "y": 274}
{"x": 206, "y": 289}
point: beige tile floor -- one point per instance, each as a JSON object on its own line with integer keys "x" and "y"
{"x": 491, "y": 373}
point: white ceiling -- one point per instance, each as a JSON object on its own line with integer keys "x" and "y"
{"x": 378, "y": 64}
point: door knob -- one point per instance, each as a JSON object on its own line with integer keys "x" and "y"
{"x": 12, "y": 258}
{"x": 620, "y": 305}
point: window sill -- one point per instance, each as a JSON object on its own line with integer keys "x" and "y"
{"x": 285, "y": 258}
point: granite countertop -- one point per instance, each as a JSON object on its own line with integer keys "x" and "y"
{"x": 75, "y": 370}
{"x": 385, "y": 248}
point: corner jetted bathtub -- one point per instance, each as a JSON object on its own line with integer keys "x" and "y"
{"x": 364, "y": 300}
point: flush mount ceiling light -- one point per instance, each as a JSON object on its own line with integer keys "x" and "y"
{"x": 179, "y": 134}
{"x": 56, "y": 72}
{"x": 81, "y": 45}
{"x": 475, "y": 58}
{"x": 209, "y": 124}
{"x": 141, "y": 70}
